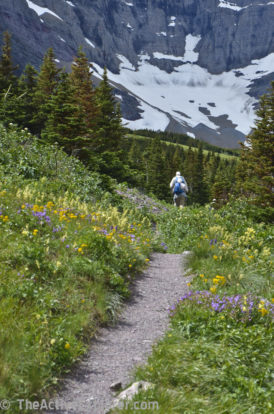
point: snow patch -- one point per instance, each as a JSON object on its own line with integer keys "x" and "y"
{"x": 190, "y": 83}
{"x": 70, "y": 3}
{"x": 129, "y": 26}
{"x": 41, "y": 10}
{"x": 89, "y": 42}
{"x": 190, "y": 134}
{"x": 159, "y": 55}
{"x": 129, "y": 4}
{"x": 63, "y": 40}
{"x": 151, "y": 119}
{"x": 228, "y": 5}
{"x": 191, "y": 43}
{"x": 172, "y": 23}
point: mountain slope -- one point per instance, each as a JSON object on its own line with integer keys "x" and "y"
{"x": 195, "y": 66}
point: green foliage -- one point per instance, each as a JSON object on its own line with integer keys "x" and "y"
{"x": 7, "y": 76}
{"x": 109, "y": 122}
{"x": 256, "y": 170}
{"x": 182, "y": 139}
{"x": 210, "y": 364}
{"x": 217, "y": 355}
{"x": 66, "y": 263}
{"x": 23, "y": 156}
{"x": 47, "y": 82}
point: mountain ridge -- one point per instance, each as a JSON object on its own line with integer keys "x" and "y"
{"x": 205, "y": 47}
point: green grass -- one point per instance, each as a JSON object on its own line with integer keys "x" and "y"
{"x": 67, "y": 258}
{"x": 217, "y": 356}
{"x": 185, "y": 147}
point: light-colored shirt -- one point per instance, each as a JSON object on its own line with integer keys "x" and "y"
{"x": 173, "y": 181}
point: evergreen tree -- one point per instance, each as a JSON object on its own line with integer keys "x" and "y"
{"x": 221, "y": 188}
{"x": 199, "y": 186}
{"x": 157, "y": 179}
{"x": 82, "y": 86}
{"x": 8, "y": 78}
{"x": 65, "y": 124}
{"x": 8, "y": 83}
{"x": 109, "y": 122}
{"x": 177, "y": 159}
{"x": 47, "y": 82}
{"x": 189, "y": 168}
{"x": 256, "y": 168}
{"x": 25, "y": 108}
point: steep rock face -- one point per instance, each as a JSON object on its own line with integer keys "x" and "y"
{"x": 216, "y": 35}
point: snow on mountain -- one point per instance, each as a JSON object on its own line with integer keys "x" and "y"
{"x": 190, "y": 94}
{"x": 41, "y": 10}
{"x": 233, "y": 6}
{"x": 89, "y": 42}
{"x": 188, "y": 66}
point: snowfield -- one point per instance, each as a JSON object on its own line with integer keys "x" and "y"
{"x": 190, "y": 94}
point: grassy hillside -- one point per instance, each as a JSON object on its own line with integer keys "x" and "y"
{"x": 217, "y": 356}
{"x": 70, "y": 246}
{"x": 67, "y": 257}
{"x": 223, "y": 155}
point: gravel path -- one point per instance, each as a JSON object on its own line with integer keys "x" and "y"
{"x": 117, "y": 350}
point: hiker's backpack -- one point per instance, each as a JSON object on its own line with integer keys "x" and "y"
{"x": 179, "y": 186}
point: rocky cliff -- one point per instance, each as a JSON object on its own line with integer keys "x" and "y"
{"x": 195, "y": 66}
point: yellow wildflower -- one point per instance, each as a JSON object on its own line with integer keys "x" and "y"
{"x": 213, "y": 289}
{"x": 35, "y": 231}
{"x": 263, "y": 311}
{"x": 67, "y": 345}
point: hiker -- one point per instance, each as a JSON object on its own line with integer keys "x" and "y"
{"x": 179, "y": 189}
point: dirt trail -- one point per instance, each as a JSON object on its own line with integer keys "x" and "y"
{"x": 117, "y": 350}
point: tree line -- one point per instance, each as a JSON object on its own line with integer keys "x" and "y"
{"x": 63, "y": 108}
{"x": 67, "y": 109}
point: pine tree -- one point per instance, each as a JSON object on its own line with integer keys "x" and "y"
{"x": 26, "y": 108}
{"x": 81, "y": 82}
{"x": 109, "y": 122}
{"x": 221, "y": 188}
{"x": 157, "y": 179}
{"x": 7, "y": 70}
{"x": 188, "y": 172}
{"x": 8, "y": 83}
{"x": 47, "y": 82}
{"x": 199, "y": 186}
{"x": 177, "y": 159}
{"x": 258, "y": 154}
{"x": 65, "y": 124}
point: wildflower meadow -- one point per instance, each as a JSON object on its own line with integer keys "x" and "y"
{"x": 217, "y": 356}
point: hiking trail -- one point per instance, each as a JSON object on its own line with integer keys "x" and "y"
{"x": 116, "y": 350}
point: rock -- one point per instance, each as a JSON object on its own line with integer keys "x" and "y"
{"x": 231, "y": 37}
{"x": 129, "y": 393}
{"x": 116, "y": 386}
